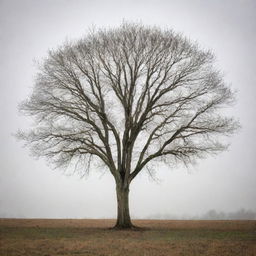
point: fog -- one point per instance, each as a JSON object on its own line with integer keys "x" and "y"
{"x": 227, "y": 182}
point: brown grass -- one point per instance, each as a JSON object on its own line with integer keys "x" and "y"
{"x": 34, "y": 237}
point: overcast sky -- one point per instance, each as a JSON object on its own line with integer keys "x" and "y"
{"x": 30, "y": 188}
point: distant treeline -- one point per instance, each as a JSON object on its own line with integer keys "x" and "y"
{"x": 241, "y": 214}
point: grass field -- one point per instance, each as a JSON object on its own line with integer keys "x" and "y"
{"x": 43, "y": 237}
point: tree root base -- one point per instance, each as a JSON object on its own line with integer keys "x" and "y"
{"x": 131, "y": 228}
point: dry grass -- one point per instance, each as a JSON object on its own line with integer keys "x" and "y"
{"x": 34, "y": 237}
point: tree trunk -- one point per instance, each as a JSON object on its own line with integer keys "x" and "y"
{"x": 123, "y": 214}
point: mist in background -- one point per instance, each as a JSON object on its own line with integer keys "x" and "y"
{"x": 226, "y": 183}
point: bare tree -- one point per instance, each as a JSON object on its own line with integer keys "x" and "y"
{"x": 126, "y": 97}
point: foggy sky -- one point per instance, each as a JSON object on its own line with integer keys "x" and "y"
{"x": 30, "y": 188}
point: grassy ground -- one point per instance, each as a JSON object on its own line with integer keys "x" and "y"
{"x": 36, "y": 237}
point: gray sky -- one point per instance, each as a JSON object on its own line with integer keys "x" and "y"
{"x": 29, "y": 188}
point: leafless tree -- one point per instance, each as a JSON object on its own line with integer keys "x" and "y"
{"x": 126, "y": 97}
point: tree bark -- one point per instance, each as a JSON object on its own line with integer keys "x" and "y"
{"x": 123, "y": 213}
